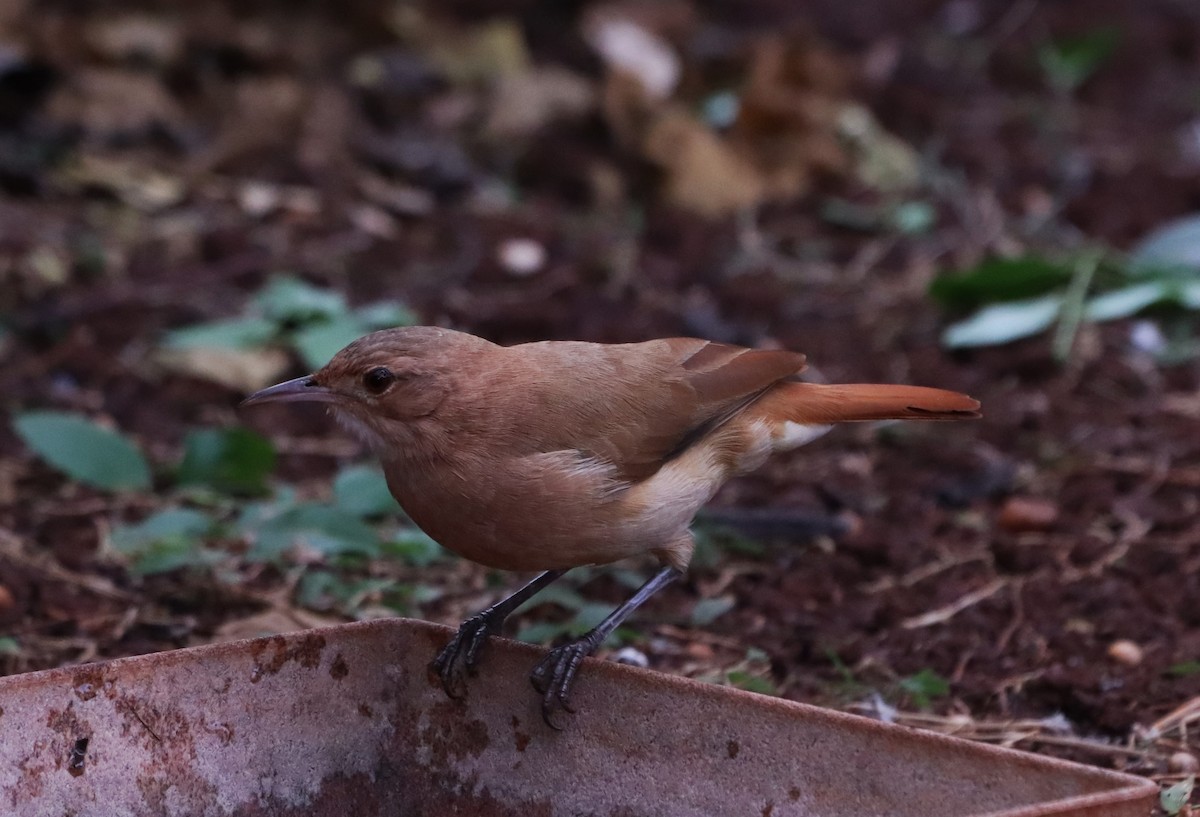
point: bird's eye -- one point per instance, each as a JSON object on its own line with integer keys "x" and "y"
{"x": 378, "y": 379}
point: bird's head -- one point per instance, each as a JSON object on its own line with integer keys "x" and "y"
{"x": 382, "y": 385}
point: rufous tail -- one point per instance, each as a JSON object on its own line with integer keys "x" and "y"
{"x": 814, "y": 404}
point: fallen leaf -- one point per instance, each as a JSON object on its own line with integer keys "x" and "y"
{"x": 136, "y": 37}
{"x": 243, "y": 370}
{"x": 881, "y": 160}
{"x": 703, "y": 173}
{"x": 266, "y": 113}
{"x": 272, "y": 622}
{"x": 523, "y": 103}
{"x": 105, "y": 101}
{"x": 139, "y": 186}
{"x": 466, "y": 55}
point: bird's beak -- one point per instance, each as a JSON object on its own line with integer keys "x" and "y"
{"x": 300, "y": 389}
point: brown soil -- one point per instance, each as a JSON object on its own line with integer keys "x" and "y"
{"x": 1005, "y": 555}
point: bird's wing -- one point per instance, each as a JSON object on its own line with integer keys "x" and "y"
{"x": 636, "y": 406}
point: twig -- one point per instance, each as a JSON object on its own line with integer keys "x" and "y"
{"x": 1177, "y": 718}
{"x": 943, "y": 614}
{"x": 1184, "y": 477}
{"x": 924, "y": 572}
{"x": 45, "y": 565}
{"x": 1071, "y": 313}
{"x": 1018, "y": 618}
{"x": 1012, "y": 732}
{"x": 671, "y": 631}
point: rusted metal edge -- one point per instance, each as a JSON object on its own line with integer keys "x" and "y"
{"x": 347, "y": 720}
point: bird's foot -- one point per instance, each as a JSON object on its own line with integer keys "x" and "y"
{"x": 459, "y": 658}
{"x": 555, "y": 674}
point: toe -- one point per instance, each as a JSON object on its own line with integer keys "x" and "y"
{"x": 539, "y": 675}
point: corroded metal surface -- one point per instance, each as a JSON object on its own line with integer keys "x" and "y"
{"x": 346, "y": 721}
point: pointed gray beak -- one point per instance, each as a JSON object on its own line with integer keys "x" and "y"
{"x": 300, "y": 389}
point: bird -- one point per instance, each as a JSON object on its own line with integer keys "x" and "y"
{"x": 551, "y": 455}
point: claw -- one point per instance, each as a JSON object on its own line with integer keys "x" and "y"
{"x": 460, "y": 657}
{"x": 554, "y": 676}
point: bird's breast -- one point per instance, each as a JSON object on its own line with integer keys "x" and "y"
{"x": 538, "y": 512}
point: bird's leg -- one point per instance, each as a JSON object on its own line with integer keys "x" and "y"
{"x": 460, "y": 656}
{"x": 554, "y": 674}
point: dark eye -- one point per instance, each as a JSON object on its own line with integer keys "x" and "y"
{"x": 378, "y": 379}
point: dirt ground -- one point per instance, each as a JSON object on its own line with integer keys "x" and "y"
{"x": 160, "y": 162}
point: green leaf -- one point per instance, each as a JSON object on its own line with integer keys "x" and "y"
{"x": 290, "y": 300}
{"x": 362, "y": 490}
{"x": 325, "y": 528}
{"x": 1184, "y": 669}
{"x": 167, "y": 540}
{"x": 542, "y": 632}
{"x": 318, "y": 589}
{"x": 751, "y": 683}
{"x": 1173, "y": 246}
{"x": 913, "y": 217}
{"x": 588, "y": 616}
{"x": 1173, "y": 799}
{"x": 171, "y": 523}
{"x": 1070, "y": 62}
{"x": 319, "y": 341}
{"x": 235, "y": 333}
{"x": 559, "y": 594}
{"x": 706, "y": 611}
{"x": 925, "y": 686}
{"x": 844, "y": 671}
{"x": 9, "y": 646}
{"x": 83, "y": 450}
{"x": 232, "y": 460}
{"x": 412, "y": 547}
{"x": 1001, "y": 279}
{"x": 1003, "y": 323}
{"x": 425, "y": 593}
{"x": 256, "y": 514}
{"x": 626, "y": 577}
{"x": 1127, "y": 301}
{"x": 385, "y": 315}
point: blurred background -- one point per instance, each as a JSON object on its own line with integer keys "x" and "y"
{"x": 201, "y": 198}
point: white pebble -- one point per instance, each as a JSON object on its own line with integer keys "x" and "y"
{"x": 632, "y": 656}
{"x": 521, "y": 256}
{"x": 1125, "y": 652}
{"x": 1183, "y": 763}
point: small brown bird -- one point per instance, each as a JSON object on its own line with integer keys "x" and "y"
{"x": 548, "y": 456}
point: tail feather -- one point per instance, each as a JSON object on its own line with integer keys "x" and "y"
{"x": 820, "y": 405}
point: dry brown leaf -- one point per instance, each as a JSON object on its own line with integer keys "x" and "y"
{"x": 272, "y": 622}
{"x": 795, "y": 119}
{"x": 105, "y": 100}
{"x": 471, "y": 55}
{"x": 244, "y": 370}
{"x": 11, "y": 13}
{"x": 141, "y": 187}
{"x": 703, "y": 173}
{"x": 882, "y": 161}
{"x": 126, "y": 37}
{"x": 324, "y": 146}
{"x": 266, "y": 114}
{"x": 522, "y": 103}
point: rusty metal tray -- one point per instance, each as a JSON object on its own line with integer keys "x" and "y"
{"x": 346, "y": 721}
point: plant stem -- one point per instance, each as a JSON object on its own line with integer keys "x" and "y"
{"x": 1071, "y": 313}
